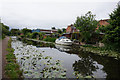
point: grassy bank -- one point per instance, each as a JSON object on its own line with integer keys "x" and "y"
{"x": 12, "y": 69}
{"x": 49, "y": 39}
{"x": 101, "y": 51}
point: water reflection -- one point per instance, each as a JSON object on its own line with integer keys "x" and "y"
{"x": 85, "y": 66}
{"x": 62, "y": 47}
{"x": 38, "y": 44}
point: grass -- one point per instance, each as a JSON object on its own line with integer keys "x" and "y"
{"x": 49, "y": 39}
{"x": 101, "y": 51}
{"x": 12, "y": 68}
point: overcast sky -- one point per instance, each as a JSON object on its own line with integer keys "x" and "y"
{"x": 44, "y": 14}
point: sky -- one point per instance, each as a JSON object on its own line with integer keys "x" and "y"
{"x": 44, "y": 14}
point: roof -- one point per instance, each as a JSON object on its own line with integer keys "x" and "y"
{"x": 104, "y": 20}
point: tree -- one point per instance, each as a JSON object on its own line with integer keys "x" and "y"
{"x": 25, "y": 31}
{"x": 63, "y": 30}
{"x": 87, "y": 25}
{"x": 15, "y": 32}
{"x": 112, "y": 31}
{"x": 34, "y": 35}
{"x": 4, "y": 29}
{"x": 59, "y": 31}
{"x": 53, "y": 28}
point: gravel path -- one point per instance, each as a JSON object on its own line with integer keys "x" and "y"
{"x": 3, "y": 52}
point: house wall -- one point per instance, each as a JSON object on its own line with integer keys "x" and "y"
{"x": 102, "y": 22}
{"x": 68, "y": 30}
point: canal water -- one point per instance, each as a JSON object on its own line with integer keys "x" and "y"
{"x": 73, "y": 58}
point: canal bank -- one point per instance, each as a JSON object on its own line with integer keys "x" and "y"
{"x": 101, "y": 51}
{"x": 89, "y": 48}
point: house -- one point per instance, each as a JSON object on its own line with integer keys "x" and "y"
{"x": 70, "y": 30}
{"x": 35, "y": 30}
{"x": 102, "y": 23}
{"x": 47, "y": 32}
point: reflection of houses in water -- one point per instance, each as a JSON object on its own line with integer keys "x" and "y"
{"x": 62, "y": 47}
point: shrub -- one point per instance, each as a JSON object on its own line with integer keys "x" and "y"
{"x": 49, "y": 39}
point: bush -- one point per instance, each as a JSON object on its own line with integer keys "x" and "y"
{"x": 49, "y": 39}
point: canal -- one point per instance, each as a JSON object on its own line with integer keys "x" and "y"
{"x": 74, "y": 62}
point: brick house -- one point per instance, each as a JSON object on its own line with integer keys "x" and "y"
{"x": 102, "y": 23}
{"x": 70, "y": 30}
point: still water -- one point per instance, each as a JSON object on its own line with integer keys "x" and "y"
{"x": 74, "y": 59}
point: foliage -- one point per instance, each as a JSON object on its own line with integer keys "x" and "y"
{"x": 25, "y": 31}
{"x": 53, "y": 28}
{"x": 75, "y": 35}
{"x": 4, "y": 30}
{"x": 63, "y": 30}
{"x": 35, "y": 35}
{"x": 87, "y": 25}
{"x": 59, "y": 31}
{"x": 112, "y": 31}
{"x": 41, "y": 35}
{"x": 15, "y": 32}
{"x": 49, "y": 39}
{"x": 12, "y": 68}
{"x": 102, "y": 51}
{"x": 34, "y": 64}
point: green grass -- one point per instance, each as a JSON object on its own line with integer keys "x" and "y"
{"x": 12, "y": 68}
{"x": 10, "y": 56}
{"x": 101, "y": 51}
{"x": 11, "y": 50}
{"x": 49, "y": 39}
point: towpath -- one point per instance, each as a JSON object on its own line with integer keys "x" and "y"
{"x": 3, "y": 52}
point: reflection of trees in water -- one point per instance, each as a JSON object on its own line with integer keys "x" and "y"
{"x": 85, "y": 66}
{"x": 111, "y": 66}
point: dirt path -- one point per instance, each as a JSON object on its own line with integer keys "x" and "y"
{"x": 0, "y": 59}
{"x": 3, "y": 57}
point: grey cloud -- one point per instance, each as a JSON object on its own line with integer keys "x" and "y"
{"x": 48, "y": 14}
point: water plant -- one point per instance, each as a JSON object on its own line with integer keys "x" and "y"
{"x": 34, "y": 64}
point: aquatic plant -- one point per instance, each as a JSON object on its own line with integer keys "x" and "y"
{"x": 34, "y": 64}
{"x": 81, "y": 77}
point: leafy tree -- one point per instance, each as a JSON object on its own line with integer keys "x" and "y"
{"x": 35, "y": 34}
{"x": 87, "y": 25}
{"x": 41, "y": 35}
{"x": 4, "y": 30}
{"x": 63, "y": 30}
{"x": 59, "y": 31}
{"x": 53, "y": 28}
{"x": 25, "y": 31}
{"x": 112, "y": 31}
{"x": 15, "y": 32}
